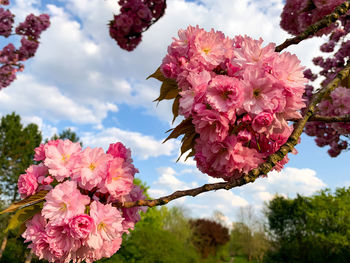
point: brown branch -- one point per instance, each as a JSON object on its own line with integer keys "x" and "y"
{"x": 311, "y": 30}
{"x": 320, "y": 118}
{"x": 263, "y": 168}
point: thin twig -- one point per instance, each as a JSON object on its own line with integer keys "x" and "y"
{"x": 264, "y": 168}
{"x": 311, "y": 30}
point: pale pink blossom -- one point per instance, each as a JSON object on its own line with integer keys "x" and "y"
{"x": 90, "y": 167}
{"x": 225, "y": 93}
{"x": 286, "y": 68}
{"x": 210, "y": 48}
{"x": 108, "y": 224}
{"x": 259, "y": 93}
{"x": 251, "y": 52}
{"x": 64, "y": 202}
{"x": 35, "y": 232}
{"x": 119, "y": 180}
{"x": 61, "y": 243}
{"x": 58, "y": 158}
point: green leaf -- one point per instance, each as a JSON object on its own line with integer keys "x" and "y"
{"x": 157, "y": 75}
{"x": 22, "y": 215}
{"x": 175, "y": 108}
{"x": 184, "y": 127}
{"x": 168, "y": 90}
{"x": 33, "y": 199}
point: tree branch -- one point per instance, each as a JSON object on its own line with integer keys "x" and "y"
{"x": 311, "y": 30}
{"x": 320, "y": 118}
{"x": 264, "y": 168}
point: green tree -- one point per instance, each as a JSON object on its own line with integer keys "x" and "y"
{"x": 156, "y": 239}
{"x": 311, "y": 229}
{"x": 248, "y": 236}
{"x": 17, "y": 144}
{"x": 66, "y": 134}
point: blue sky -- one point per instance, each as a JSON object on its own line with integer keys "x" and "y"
{"x": 81, "y": 79}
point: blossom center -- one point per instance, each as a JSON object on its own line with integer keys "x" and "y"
{"x": 63, "y": 206}
{"x": 101, "y": 226}
{"x": 65, "y": 157}
{"x": 206, "y": 50}
{"x": 92, "y": 166}
{"x": 256, "y": 93}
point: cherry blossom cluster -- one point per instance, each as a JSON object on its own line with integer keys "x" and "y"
{"x": 239, "y": 96}
{"x": 334, "y": 134}
{"x": 135, "y": 17}
{"x": 297, "y": 15}
{"x": 29, "y": 31}
{"x": 78, "y": 221}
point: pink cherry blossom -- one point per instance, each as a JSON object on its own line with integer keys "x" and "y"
{"x": 262, "y": 121}
{"x": 80, "y": 226}
{"x": 224, "y": 93}
{"x": 27, "y": 185}
{"x": 119, "y": 180}
{"x": 108, "y": 224}
{"x": 64, "y": 202}
{"x": 132, "y": 215}
{"x": 90, "y": 167}
{"x": 58, "y": 158}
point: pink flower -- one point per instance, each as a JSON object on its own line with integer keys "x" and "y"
{"x": 108, "y": 249}
{"x": 118, "y": 150}
{"x": 225, "y": 93}
{"x": 131, "y": 215}
{"x": 286, "y": 68}
{"x": 61, "y": 243}
{"x": 39, "y": 153}
{"x": 90, "y": 167}
{"x": 262, "y": 121}
{"x": 81, "y": 226}
{"x": 341, "y": 101}
{"x": 35, "y": 232}
{"x": 119, "y": 180}
{"x": 211, "y": 48}
{"x": 34, "y": 228}
{"x": 64, "y": 202}
{"x": 27, "y": 185}
{"x": 211, "y": 125}
{"x": 259, "y": 93}
{"x": 251, "y": 52}
{"x": 58, "y": 158}
{"x": 108, "y": 224}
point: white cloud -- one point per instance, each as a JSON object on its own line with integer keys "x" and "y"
{"x": 289, "y": 182}
{"x": 142, "y": 146}
{"x": 78, "y": 57}
{"x": 31, "y": 98}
